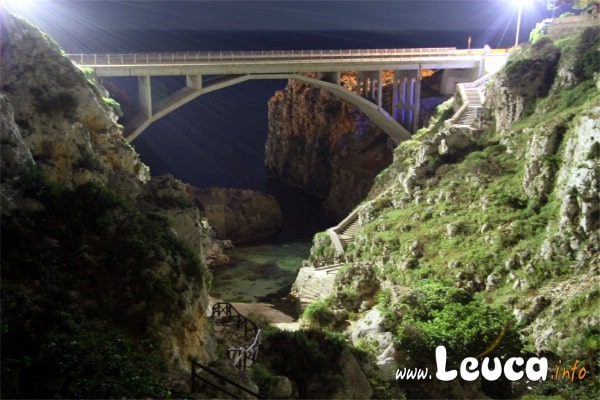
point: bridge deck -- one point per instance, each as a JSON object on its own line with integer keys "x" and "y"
{"x": 216, "y": 62}
{"x": 290, "y": 64}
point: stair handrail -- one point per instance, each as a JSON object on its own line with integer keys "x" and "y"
{"x": 328, "y": 266}
{"x": 196, "y": 376}
{"x": 478, "y": 82}
{"x": 231, "y": 312}
{"x": 460, "y": 89}
{"x": 335, "y": 231}
{"x": 245, "y": 353}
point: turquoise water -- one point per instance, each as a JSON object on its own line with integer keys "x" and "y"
{"x": 259, "y": 272}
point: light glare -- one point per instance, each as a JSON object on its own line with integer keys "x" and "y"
{"x": 19, "y": 6}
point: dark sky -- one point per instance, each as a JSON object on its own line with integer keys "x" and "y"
{"x": 465, "y": 15}
{"x": 210, "y": 141}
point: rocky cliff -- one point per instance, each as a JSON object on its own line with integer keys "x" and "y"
{"x": 244, "y": 215}
{"x": 324, "y": 146}
{"x": 488, "y": 240}
{"x": 103, "y": 278}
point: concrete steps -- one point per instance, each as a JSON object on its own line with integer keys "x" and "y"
{"x": 467, "y": 119}
{"x": 348, "y": 234}
{"x": 319, "y": 286}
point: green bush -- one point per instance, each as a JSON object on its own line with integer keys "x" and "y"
{"x": 465, "y": 330}
{"x": 429, "y": 296}
{"x": 301, "y": 354}
{"x": 438, "y": 315}
{"x": 318, "y": 313}
{"x": 384, "y": 298}
{"x": 587, "y": 58}
{"x": 263, "y": 377}
{"x": 80, "y": 358}
{"x": 88, "y": 255}
{"x": 112, "y": 103}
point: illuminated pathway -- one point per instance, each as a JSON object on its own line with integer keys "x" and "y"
{"x": 231, "y": 68}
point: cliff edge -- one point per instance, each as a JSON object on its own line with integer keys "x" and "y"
{"x": 485, "y": 243}
{"x": 104, "y": 284}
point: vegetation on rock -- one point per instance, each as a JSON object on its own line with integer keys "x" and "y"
{"x": 493, "y": 243}
{"x": 103, "y": 287}
{"x": 84, "y": 277}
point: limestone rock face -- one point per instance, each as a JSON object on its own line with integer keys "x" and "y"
{"x": 577, "y": 186}
{"x": 370, "y": 328}
{"x": 249, "y": 215}
{"x": 14, "y": 154}
{"x": 521, "y": 82}
{"x": 324, "y": 146}
{"x": 51, "y": 116}
{"x": 350, "y": 383}
{"x": 539, "y": 173}
{"x": 167, "y": 194}
{"x": 71, "y": 133}
{"x": 449, "y": 144}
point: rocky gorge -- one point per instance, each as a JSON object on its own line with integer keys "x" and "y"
{"x": 484, "y": 241}
{"x": 473, "y": 238}
{"x": 324, "y": 146}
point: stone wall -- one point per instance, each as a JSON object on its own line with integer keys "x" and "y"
{"x": 567, "y": 26}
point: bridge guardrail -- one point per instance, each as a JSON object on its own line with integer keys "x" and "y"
{"x": 266, "y": 56}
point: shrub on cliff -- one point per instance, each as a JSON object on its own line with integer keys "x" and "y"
{"x": 84, "y": 275}
{"x": 587, "y": 59}
{"x": 318, "y": 314}
{"x": 302, "y": 354}
{"x": 434, "y": 314}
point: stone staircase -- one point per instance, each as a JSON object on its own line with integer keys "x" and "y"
{"x": 314, "y": 284}
{"x": 343, "y": 233}
{"x": 473, "y": 95}
{"x": 469, "y": 116}
{"x": 347, "y": 235}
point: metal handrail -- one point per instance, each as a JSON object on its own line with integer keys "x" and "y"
{"x": 196, "y": 376}
{"x": 244, "y": 354}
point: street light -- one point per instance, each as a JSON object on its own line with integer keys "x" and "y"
{"x": 520, "y": 3}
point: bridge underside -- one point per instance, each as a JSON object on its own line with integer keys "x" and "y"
{"x": 406, "y": 99}
{"x": 237, "y": 67}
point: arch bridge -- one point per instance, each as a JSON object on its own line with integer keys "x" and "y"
{"x": 233, "y": 67}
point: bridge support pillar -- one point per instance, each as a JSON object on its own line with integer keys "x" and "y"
{"x": 406, "y": 104}
{"x": 369, "y": 85}
{"x": 194, "y": 81}
{"x": 145, "y": 95}
{"x": 379, "y": 88}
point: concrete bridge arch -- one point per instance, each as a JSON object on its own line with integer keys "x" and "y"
{"x": 194, "y": 89}
{"x": 237, "y": 67}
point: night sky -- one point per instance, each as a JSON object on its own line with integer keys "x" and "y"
{"x": 57, "y": 17}
{"x": 218, "y": 139}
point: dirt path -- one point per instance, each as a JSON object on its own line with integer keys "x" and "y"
{"x": 280, "y": 314}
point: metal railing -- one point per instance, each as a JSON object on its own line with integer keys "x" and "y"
{"x": 265, "y": 56}
{"x": 241, "y": 355}
{"x": 219, "y": 385}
